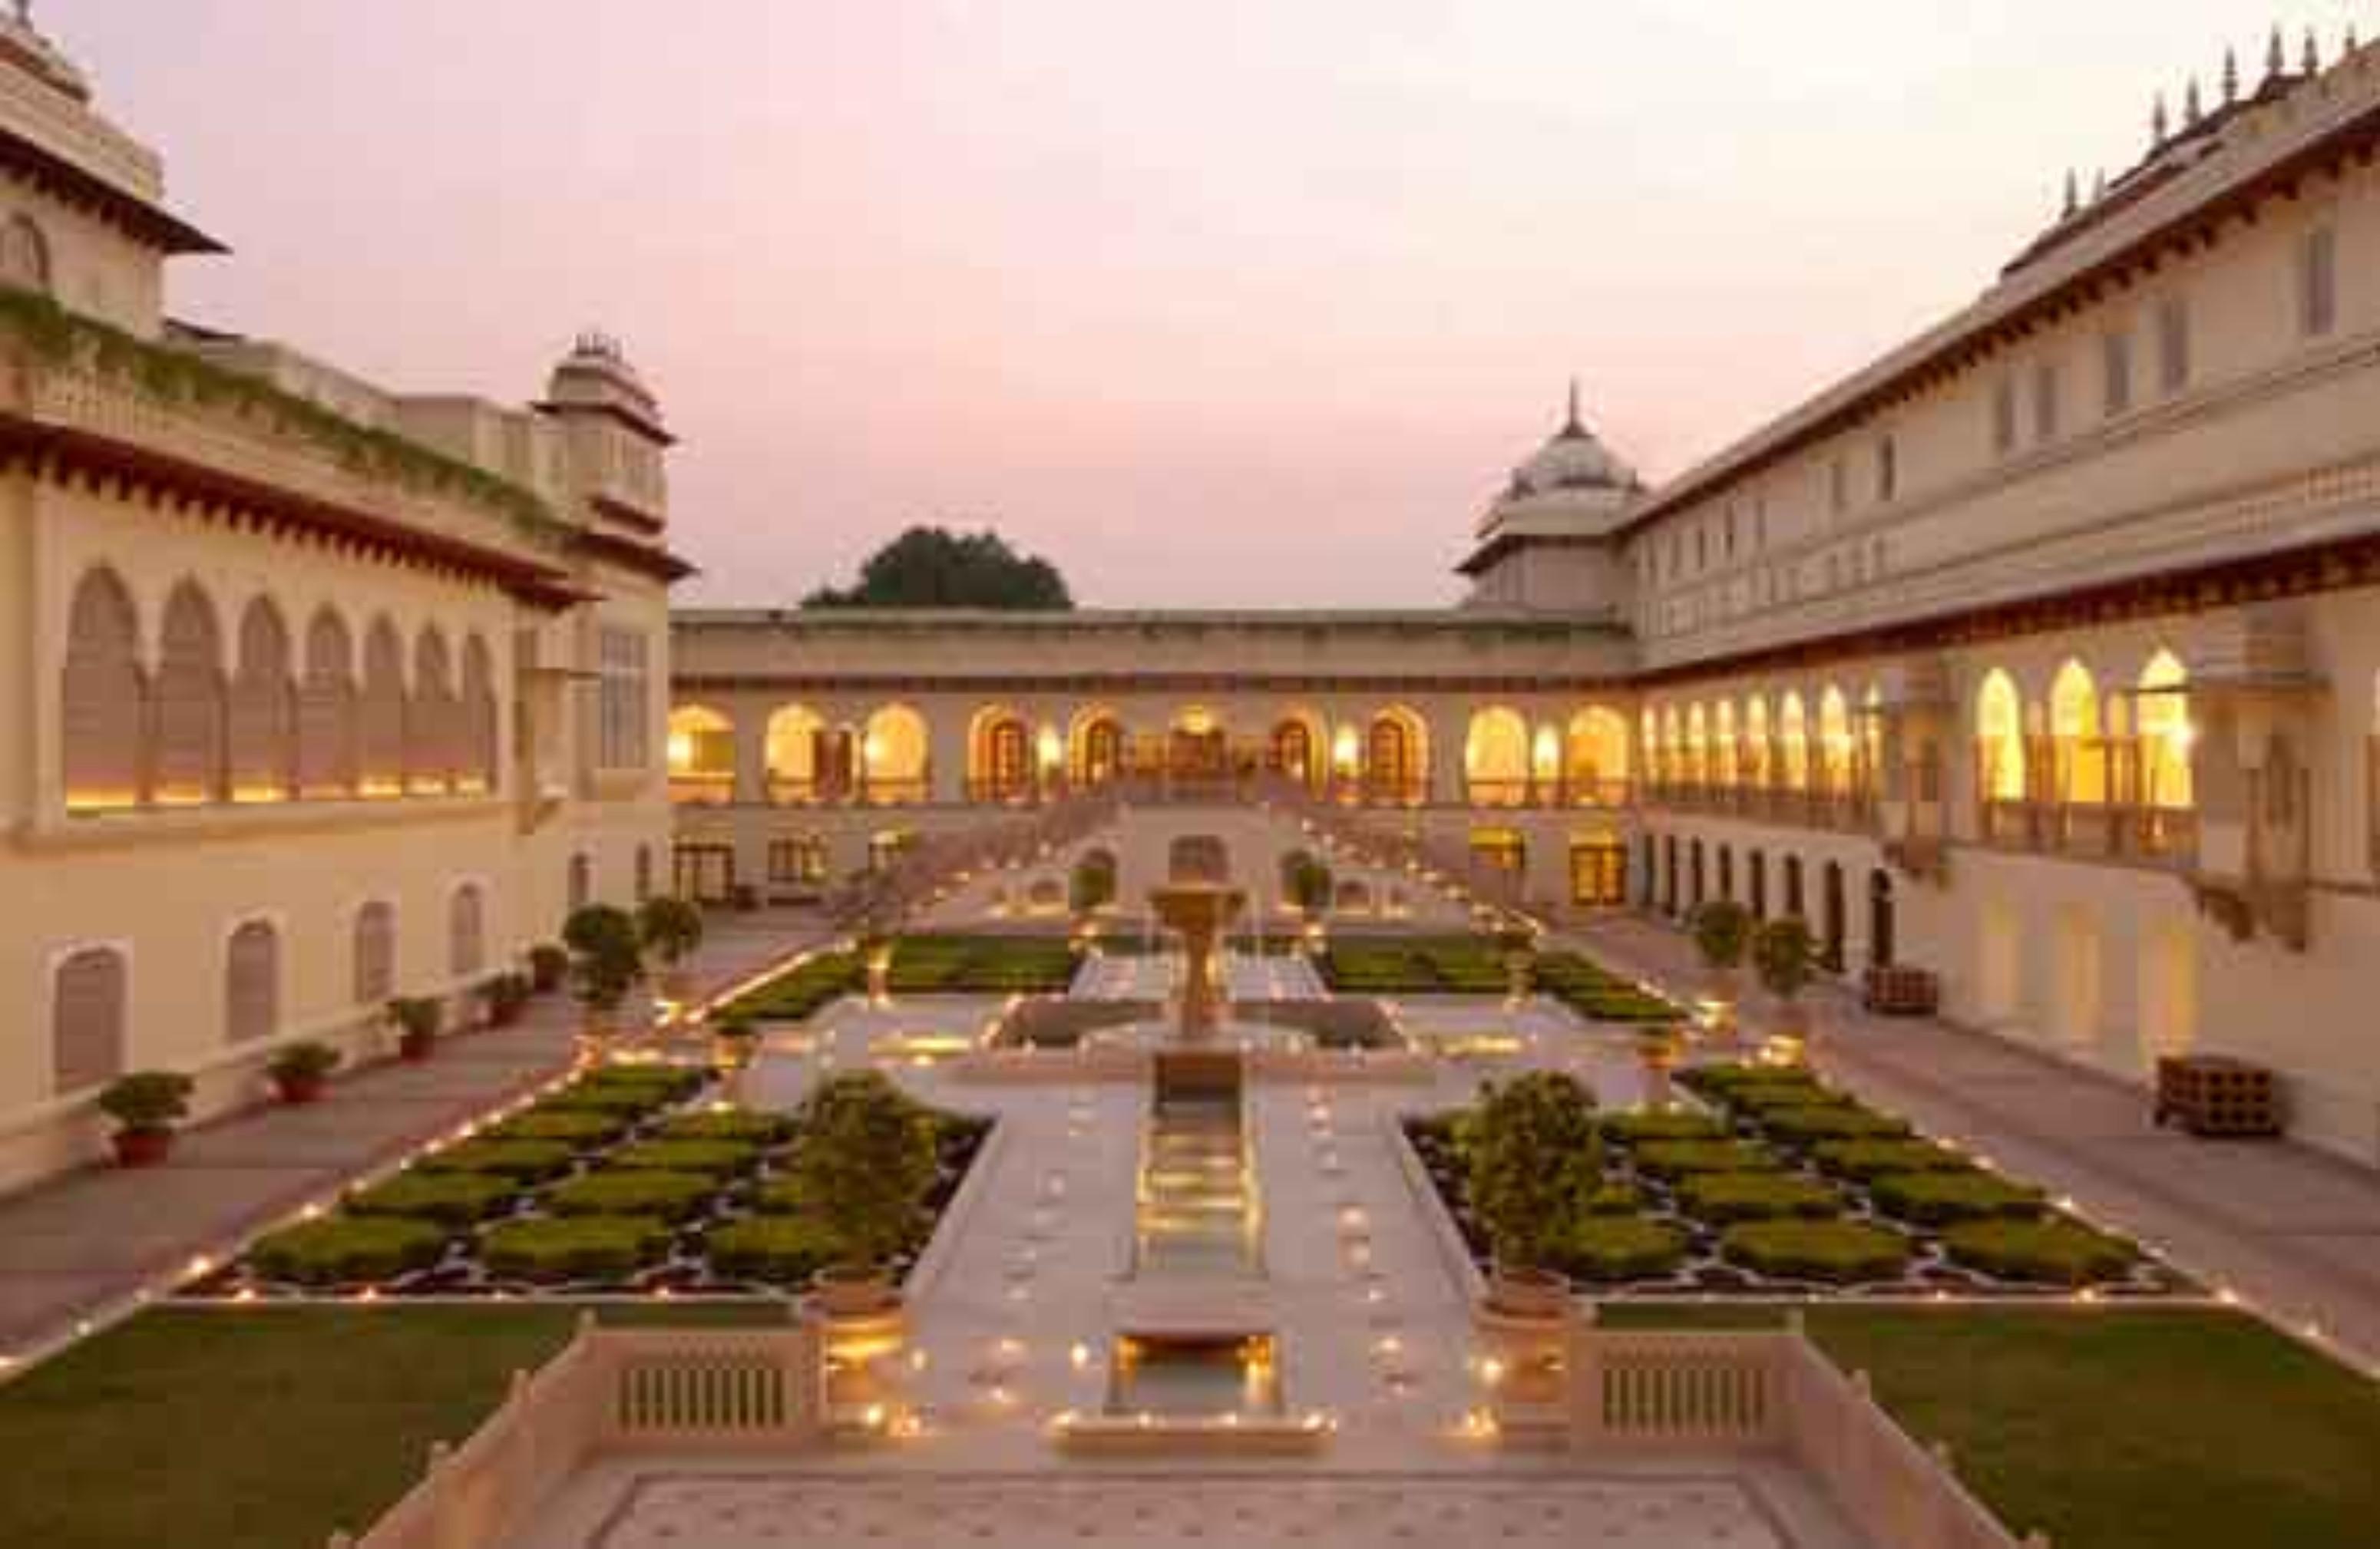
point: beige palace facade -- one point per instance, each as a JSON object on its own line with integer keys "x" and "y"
{"x": 2041, "y": 653}
{"x": 311, "y": 694}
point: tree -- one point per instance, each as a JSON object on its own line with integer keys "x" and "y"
{"x": 1722, "y": 931}
{"x": 1780, "y": 954}
{"x": 670, "y": 927}
{"x": 934, "y": 567}
{"x": 866, "y": 1160}
{"x": 1533, "y": 1164}
{"x": 607, "y": 954}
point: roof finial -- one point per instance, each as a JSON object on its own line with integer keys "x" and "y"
{"x": 2157, "y": 123}
{"x": 2190, "y": 112}
{"x": 2274, "y": 58}
{"x": 2230, "y": 75}
{"x": 1570, "y": 426}
{"x": 2073, "y": 195}
{"x": 2311, "y": 58}
{"x": 2099, "y": 186}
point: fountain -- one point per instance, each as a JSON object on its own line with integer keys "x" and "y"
{"x": 1197, "y": 911}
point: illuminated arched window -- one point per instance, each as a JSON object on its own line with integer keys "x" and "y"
{"x": 1697, "y": 745}
{"x": 381, "y": 713}
{"x": 1794, "y": 744}
{"x": 1723, "y": 764}
{"x": 1759, "y": 766}
{"x": 1834, "y": 741}
{"x": 2000, "y": 739}
{"x": 478, "y": 735}
{"x": 1496, "y": 757}
{"x": 2076, "y": 733}
{"x": 701, "y": 749}
{"x": 806, "y": 761}
{"x": 430, "y": 728}
{"x": 1595, "y": 754}
{"x": 103, "y": 698}
{"x": 893, "y": 755}
{"x": 1648, "y": 736}
{"x": 2163, "y": 727}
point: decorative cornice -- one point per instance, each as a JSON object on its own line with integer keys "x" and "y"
{"x": 1126, "y": 682}
{"x": 613, "y": 508}
{"x": 644, "y": 559}
{"x": 649, "y": 429}
{"x": 127, "y": 212}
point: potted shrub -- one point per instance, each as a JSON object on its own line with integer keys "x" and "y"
{"x": 1722, "y": 935}
{"x": 301, "y": 1070}
{"x": 548, "y": 962}
{"x": 734, "y": 1037}
{"x": 146, "y": 1105}
{"x": 866, "y": 1158}
{"x": 1517, "y": 945}
{"x": 671, "y": 929}
{"x": 418, "y": 1019}
{"x": 1532, "y": 1163}
{"x": 1309, "y": 884}
{"x": 1091, "y": 887}
{"x": 1780, "y": 954}
{"x": 505, "y": 995}
{"x": 606, "y": 963}
{"x": 874, "y": 945}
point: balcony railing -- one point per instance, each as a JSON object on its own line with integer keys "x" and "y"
{"x": 2091, "y": 830}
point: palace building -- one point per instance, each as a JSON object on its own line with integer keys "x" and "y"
{"x": 315, "y": 693}
{"x": 2042, "y": 654}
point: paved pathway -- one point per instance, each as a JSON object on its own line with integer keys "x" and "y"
{"x": 2293, "y": 1232}
{"x": 82, "y": 1244}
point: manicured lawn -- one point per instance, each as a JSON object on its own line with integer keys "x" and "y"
{"x": 2177, "y": 1427}
{"x": 262, "y": 1429}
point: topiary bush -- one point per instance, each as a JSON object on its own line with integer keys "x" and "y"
{"x": 1846, "y": 1120}
{"x": 714, "y": 1159}
{"x": 1864, "y": 1159}
{"x": 740, "y": 1125}
{"x": 1620, "y": 1248}
{"x": 666, "y": 1196}
{"x": 1721, "y": 1198}
{"x": 526, "y": 1161}
{"x": 341, "y": 1250}
{"x": 1753, "y": 1099}
{"x": 1532, "y": 1160}
{"x": 785, "y": 1195}
{"x": 1934, "y": 1199}
{"x": 2055, "y": 1252}
{"x": 867, "y": 1157}
{"x": 1837, "y": 1252}
{"x": 1615, "y": 1198}
{"x": 782, "y": 1250}
{"x": 1632, "y": 1129}
{"x": 450, "y": 1199}
{"x": 553, "y": 1249}
{"x": 675, "y": 1083}
{"x": 1678, "y": 1158}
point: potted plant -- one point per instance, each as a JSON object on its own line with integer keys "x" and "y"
{"x": 418, "y": 1019}
{"x": 505, "y": 997}
{"x": 734, "y": 1039}
{"x": 1780, "y": 955}
{"x": 606, "y": 961}
{"x": 548, "y": 962}
{"x": 1533, "y": 1163}
{"x": 671, "y": 929}
{"x": 1722, "y": 935}
{"x": 301, "y": 1070}
{"x": 1517, "y": 944}
{"x": 146, "y": 1105}
{"x": 866, "y": 1159}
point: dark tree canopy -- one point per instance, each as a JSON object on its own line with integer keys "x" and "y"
{"x": 934, "y": 567}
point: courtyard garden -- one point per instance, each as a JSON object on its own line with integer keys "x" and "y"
{"x": 629, "y": 1179}
{"x": 1781, "y": 1184}
{"x": 1476, "y": 964}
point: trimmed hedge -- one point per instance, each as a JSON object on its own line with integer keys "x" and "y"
{"x": 581, "y": 1127}
{"x": 1838, "y": 1251}
{"x": 785, "y": 1194}
{"x": 623, "y": 1102}
{"x": 1756, "y": 1100}
{"x": 1809, "y": 1125}
{"x": 2057, "y": 1251}
{"x": 740, "y": 1125}
{"x": 677, "y": 1081}
{"x": 526, "y": 1161}
{"x": 342, "y": 1249}
{"x": 1864, "y": 1159}
{"x": 783, "y": 1249}
{"x": 1620, "y": 1248}
{"x": 1677, "y": 1158}
{"x": 796, "y": 994}
{"x": 551, "y": 1249}
{"x": 668, "y": 1196}
{"x": 717, "y": 1160}
{"x": 1632, "y": 1129}
{"x": 1723, "y": 1197}
{"x": 1938, "y": 1198}
{"x": 449, "y": 1199}
{"x": 1611, "y": 1198}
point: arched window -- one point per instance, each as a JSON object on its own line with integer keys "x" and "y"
{"x": 1723, "y": 746}
{"x": 252, "y": 983}
{"x": 1834, "y": 741}
{"x": 1396, "y": 756}
{"x": 1495, "y": 757}
{"x": 189, "y": 752}
{"x": 2075, "y": 727}
{"x": 1698, "y": 746}
{"x": 701, "y": 751}
{"x": 795, "y": 744}
{"x": 1759, "y": 769}
{"x": 25, "y": 256}
{"x": 1098, "y": 749}
{"x": 644, "y": 873}
{"x": 326, "y": 711}
{"x": 375, "y": 954}
{"x": 1648, "y": 737}
{"x": 263, "y": 709}
{"x": 1000, "y": 755}
{"x": 1597, "y": 755}
{"x": 87, "y": 1017}
{"x": 467, "y": 946}
{"x": 380, "y": 721}
{"x": 2000, "y": 739}
{"x": 1793, "y": 742}
{"x": 2166, "y": 736}
{"x": 429, "y": 730}
{"x": 893, "y": 755}
{"x": 103, "y": 700}
{"x": 478, "y": 736}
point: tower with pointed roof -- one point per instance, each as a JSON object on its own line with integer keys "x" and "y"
{"x": 1545, "y": 542}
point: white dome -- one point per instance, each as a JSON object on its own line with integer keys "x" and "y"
{"x": 1573, "y": 459}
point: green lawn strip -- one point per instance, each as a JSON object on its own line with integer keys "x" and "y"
{"x": 264, "y": 1428}
{"x": 2186, "y": 1428}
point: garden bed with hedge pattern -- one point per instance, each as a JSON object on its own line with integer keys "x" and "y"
{"x": 627, "y": 1181}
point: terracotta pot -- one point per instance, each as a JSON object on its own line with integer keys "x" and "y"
{"x": 142, "y": 1148}
{"x": 1528, "y": 1293}
{"x": 415, "y": 1048}
{"x": 298, "y": 1090}
{"x": 850, "y": 1290}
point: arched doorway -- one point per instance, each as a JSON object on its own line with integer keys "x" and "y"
{"x": 1394, "y": 754}
{"x": 1495, "y": 757}
{"x": 1794, "y": 902}
{"x": 1669, "y": 873}
{"x": 1098, "y": 749}
{"x": 1727, "y": 872}
{"x": 1882, "y": 933}
{"x": 1694, "y": 873}
{"x": 1000, "y": 758}
{"x": 1293, "y": 751}
{"x": 892, "y": 756}
{"x": 1194, "y": 746}
{"x": 1756, "y": 863}
{"x": 1599, "y": 870}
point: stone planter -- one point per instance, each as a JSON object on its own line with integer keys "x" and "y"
{"x": 853, "y": 1292}
{"x": 299, "y": 1090}
{"x": 415, "y": 1048}
{"x": 1517, "y": 1292}
{"x": 142, "y": 1148}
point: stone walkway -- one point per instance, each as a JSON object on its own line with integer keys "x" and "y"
{"x": 2294, "y": 1233}
{"x": 80, "y": 1246}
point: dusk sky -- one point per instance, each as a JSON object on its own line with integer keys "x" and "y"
{"x": 1214, "y": 304}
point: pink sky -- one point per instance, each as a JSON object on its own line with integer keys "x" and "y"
{"x": 1246, "y": 302}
